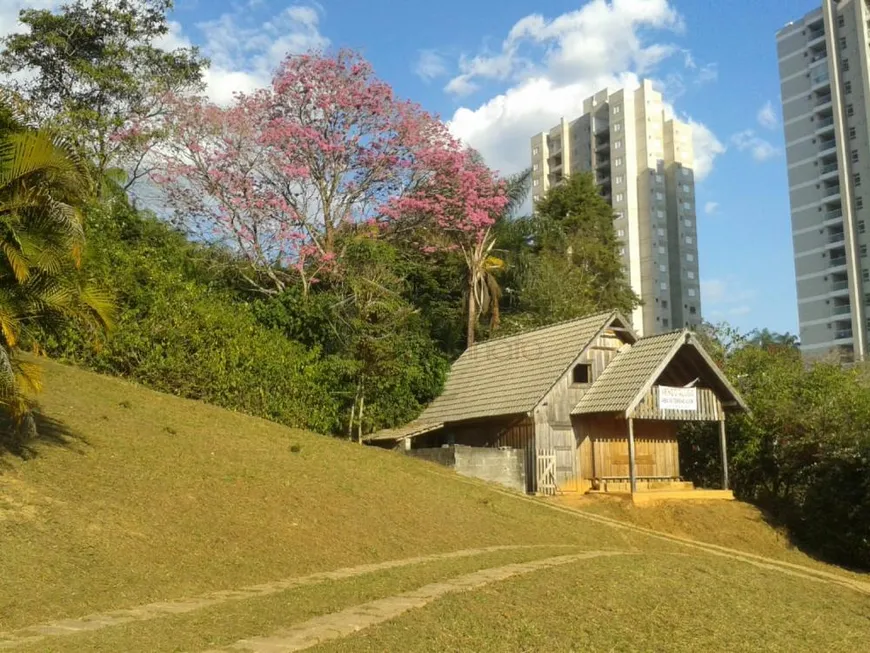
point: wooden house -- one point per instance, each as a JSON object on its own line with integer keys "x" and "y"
{"x": 577, "y": 406}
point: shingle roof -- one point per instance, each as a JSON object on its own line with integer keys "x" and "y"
{"x": 407, "y": 431}
{"x": 506, "y": 376}
{"x": 627, "y": 377}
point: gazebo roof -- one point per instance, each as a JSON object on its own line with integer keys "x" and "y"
{"x": 635, "y": 369}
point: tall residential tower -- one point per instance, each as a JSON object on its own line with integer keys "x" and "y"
{"x": 642, "y": 161}
{"x": 825, "y": 81}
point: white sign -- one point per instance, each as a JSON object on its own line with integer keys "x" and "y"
{"x": 678, "y": 398}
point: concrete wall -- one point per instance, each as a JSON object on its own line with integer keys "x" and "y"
{"x": 503, "y": 466}
{"x": 441, "y": 455}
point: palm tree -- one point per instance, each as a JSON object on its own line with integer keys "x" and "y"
{"x": 484, "y": 292}
{"x": 43, "y": 187}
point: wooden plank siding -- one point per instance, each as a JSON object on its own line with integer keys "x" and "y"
{"x": 709, "y": 408}
{"x": 603, "y": 449}
{"x": 653, "y": 458}
{"x": 552, "y": 417}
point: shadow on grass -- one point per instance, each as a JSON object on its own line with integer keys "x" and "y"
{"x": 48, "y": 432}
{"x": 819, "y": 551}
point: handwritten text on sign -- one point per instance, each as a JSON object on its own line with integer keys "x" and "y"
{"x": 677, "y": 398}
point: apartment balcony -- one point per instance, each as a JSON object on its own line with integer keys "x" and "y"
{"x": 825, "y": 125}
{"x": 837, "y": 261}
{"x": 602, "y": 127}
{"x": 602, "y": 145}
{"x": 839, "y": 285}
{"x": 829, "y": 192}
{"x": 602, "y": 162}
{"x": 815, "y": 38}
{"x": 819, "y": 56}
{"x": 837, "y": 237}
{"x": 818, "y": 82}
{"x": 829, "y": 171}
{"x": 827, "y": 146}
{"x": 833, "y": 215}
{"x": 841, "y": 309}
{"x": 842, "y": 329}
{"x": 823, "y": 101}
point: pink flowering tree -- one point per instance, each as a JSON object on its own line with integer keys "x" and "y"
{"x": 280, "y": 174}
{"x": 457, "y": 201}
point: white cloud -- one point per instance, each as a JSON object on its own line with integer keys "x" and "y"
{"x": 767, "y": 117}
{"x": 544, "y": 69}
{"x": 430, "y": 65}
{"x": 244, "y": 55}
{"x": 761, "y": 150}
{"x": 711, "y": 207}
{"x": 707, "y": 147}
{"x": 9, "y": 12}
{"x": 726, "y": 298}
{"x": 594, "y": 41}
{"x": 707, "y": 73}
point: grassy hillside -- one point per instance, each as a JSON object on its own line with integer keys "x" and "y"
{"x": 139, "y": 497}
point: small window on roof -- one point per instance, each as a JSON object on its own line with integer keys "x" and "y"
{"x": 582, "y": 373}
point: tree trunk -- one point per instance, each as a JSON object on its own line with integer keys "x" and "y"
{"x": 362, "y": 403}
{"x": 472, "y": 309}
{"x": 352, "y": 413}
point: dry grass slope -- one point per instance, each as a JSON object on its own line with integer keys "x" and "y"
{"x": 157, "y": 497}
{"x": 149, "y": 498}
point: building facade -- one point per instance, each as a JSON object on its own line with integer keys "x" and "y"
{"x": 825, "y": 82}
{"x": 643, "y": 162}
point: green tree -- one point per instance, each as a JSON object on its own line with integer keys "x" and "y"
{"x": 94, "y": 73}
{"x": 803, "y": 452}
{"x": 383, "y": 364}
{"x": 567, "y": 261}
{"x": 767, "y": 338}
{"x": 43, "y": 187}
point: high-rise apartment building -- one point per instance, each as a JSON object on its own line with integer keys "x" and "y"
{"x": 825, "y": 81}
{"x": 643, "y": 163}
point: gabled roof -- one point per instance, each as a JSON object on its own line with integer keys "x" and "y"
{"x": 510, "y": 375}
{"x": 634, "y": 370}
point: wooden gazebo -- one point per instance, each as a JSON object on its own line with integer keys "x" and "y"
{"x": 627, "y": 422}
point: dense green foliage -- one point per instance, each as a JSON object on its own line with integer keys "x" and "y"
{"x": 565, "y": 259}
{"x": 95, "y": 73}
{"x": 185, "y": 327}
{"x": 180, "y": 329}
{"x": 804, "y": 451}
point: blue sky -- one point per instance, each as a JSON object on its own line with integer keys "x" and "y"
{"x": 500, "y": 71}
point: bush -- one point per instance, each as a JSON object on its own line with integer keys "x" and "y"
{"x": 181, "y": 328}
{"x": 803, "y": 453}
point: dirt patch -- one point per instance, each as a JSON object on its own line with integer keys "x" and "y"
{"x": 19, "y": 502}
{"x": 727, "y": 523}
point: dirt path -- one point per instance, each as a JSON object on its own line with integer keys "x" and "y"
{"x": 789, "y": 568}
{"x": 346, "y": 622}
{"x": 31, "y": 634}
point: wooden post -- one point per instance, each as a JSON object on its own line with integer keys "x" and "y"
{"x": 631, "y": 469}
{"x": 724, "y": 449}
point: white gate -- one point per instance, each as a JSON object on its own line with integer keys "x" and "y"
{"x": 546, "y": 471}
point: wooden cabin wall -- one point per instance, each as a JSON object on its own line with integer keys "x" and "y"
{"x": 603, "y": 449}
{"x": 552, "y": 417}
{"x": 514, "y": 432}
{"x": 564, "y": 395}
{"x": 709, "y": 408}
